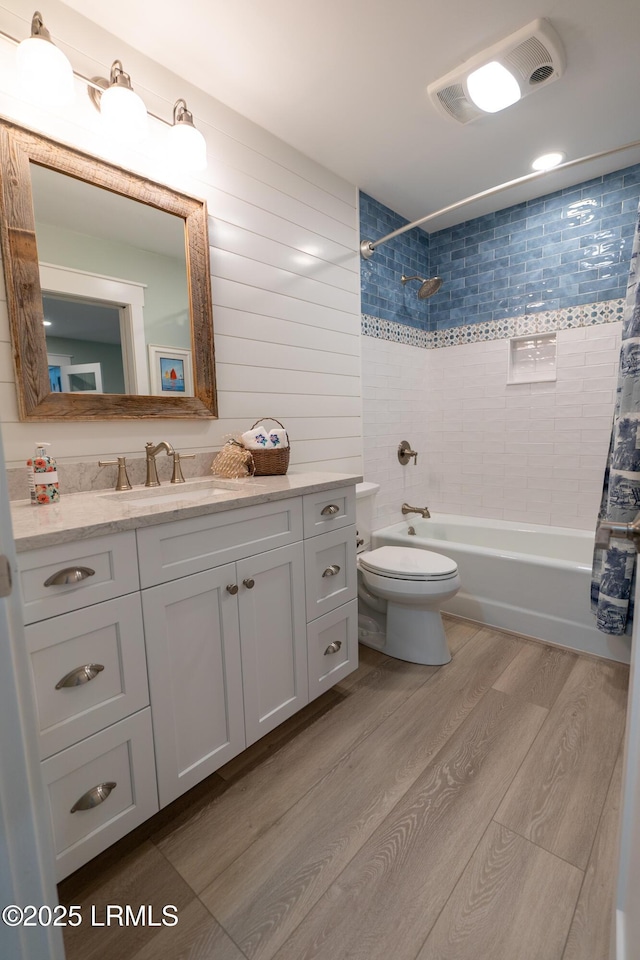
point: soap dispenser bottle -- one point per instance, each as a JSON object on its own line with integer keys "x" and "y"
{"x": 43, "y": 476}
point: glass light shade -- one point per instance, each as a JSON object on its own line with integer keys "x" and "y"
{"x": 492, "y": 87}
{"x": 547, "y": 161}
{"x": 45, "y": 74}
{"x": 124, "y": 114}
{"x": 187, "y": 148}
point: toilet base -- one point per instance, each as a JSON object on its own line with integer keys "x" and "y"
{"x": 416, "y": 635}
{"x": 406, "y": 633}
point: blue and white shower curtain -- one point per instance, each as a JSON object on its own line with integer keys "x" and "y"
{"x": 614, "y": 570}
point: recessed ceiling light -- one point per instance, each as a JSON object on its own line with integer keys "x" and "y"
{"x": 547, "y": 161}
{"x": 493, "y": 87}
{"x": 46, "y": 323}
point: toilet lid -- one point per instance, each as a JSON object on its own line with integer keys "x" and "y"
{"x": 408, "y": 563}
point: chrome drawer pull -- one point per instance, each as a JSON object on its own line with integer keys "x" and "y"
{"x": 69, "y": 575}
{"x": 329, "y": 510}
{"x": 249, "y": 583}
{"x": 80, "y": 675}
{"x": 95, "y": 796}
{"x": 333, "y": 647}
{"x": 331, "y": 571}
{"x": 232, "y": 589}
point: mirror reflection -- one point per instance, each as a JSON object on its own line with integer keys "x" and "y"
{"x": 113, "y": 274}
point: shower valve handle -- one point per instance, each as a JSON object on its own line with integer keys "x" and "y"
{"x": 607, "y": 529}
{"x": 405, "y": 453}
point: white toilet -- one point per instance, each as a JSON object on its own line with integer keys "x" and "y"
{"x": 400, "y": 590}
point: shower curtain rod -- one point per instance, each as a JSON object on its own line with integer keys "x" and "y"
{"x": 367, "y": 247}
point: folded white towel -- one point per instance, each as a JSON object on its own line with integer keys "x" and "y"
{"x": 257, "y": 438}
{"x": 278, "y": 439}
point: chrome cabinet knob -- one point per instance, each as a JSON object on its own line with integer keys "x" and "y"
{"x": 249, "y": 583}
{"x": 232, "y": 588}
{"x": 330, "y": 510}
{"x": 331, "y": 571}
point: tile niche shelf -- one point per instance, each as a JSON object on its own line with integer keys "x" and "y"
{"x": 532, "y": 358}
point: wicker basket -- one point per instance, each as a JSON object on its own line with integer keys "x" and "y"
{"x": 271, "y": 463}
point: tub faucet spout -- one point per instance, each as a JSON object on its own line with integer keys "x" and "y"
{"x": 423, "y": 511}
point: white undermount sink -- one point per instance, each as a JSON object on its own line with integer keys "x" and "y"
{"x": 191, "y": 490}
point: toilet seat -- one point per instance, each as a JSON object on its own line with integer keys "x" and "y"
{"x": 408, "y": 563}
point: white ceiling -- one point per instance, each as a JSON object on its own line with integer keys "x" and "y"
{"x": 345, "y": 82}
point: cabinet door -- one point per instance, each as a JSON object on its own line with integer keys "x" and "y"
{"x": 195, "y": 679}
{"x": 273, "y": 638}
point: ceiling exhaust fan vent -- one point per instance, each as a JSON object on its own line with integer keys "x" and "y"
{"x": 533, "y": 55}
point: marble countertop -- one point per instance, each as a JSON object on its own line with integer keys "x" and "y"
{"x": 78, "y": 516}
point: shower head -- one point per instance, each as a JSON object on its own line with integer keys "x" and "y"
{"x": 427, "y": 287}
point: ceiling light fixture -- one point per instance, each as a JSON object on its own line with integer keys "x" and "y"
{"x": 123, "y": 112}
{"x": 521, "y": 63}
{"x": 547, "y": 161}
{"x": 188, "y": 147}
{"x": 46, "y": 76}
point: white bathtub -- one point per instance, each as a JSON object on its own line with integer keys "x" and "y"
{"x": 526, "y": 578}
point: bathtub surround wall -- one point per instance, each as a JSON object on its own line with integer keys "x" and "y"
{"x": 525, "y": 452}
{"x": 564, "y": 250}
{"x": 284, "y": 262}
{"x": 531, "y": 452}
{"x": 383, "y": 295}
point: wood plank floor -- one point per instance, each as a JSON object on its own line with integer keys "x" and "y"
{"x": 420, "y": 813}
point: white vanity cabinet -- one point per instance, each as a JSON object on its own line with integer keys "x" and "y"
{"x": 160, "y": 653}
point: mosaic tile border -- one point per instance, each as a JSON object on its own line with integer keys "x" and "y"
{"x": 399, "y": 332}
{"x": 547, "y": 321}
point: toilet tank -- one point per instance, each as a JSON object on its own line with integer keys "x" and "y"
{"x": 365, "y": 496}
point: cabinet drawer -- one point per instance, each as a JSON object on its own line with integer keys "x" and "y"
{"x": 330, "y": 571}
{"x": 123, "y": 755}
{"x": 333, "y": 647}
{"x": 328, "y": 510}
{"x": 108, "y": 635}
{"x": 113, "y": 563}
{"x": 172, "y": 550}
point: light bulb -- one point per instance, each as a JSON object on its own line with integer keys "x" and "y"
{"x": 187, "y": 147}
{"x": 492, "y": 87}
{"x": 123, "y": 112}
{"x": 46, "y": 76}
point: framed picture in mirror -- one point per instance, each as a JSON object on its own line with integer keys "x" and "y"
{"x": 170, "y": 371}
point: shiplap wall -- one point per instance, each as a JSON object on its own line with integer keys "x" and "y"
{"x": 285, "y": 268}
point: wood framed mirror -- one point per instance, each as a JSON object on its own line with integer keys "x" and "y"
{"x": 117, "y": 267}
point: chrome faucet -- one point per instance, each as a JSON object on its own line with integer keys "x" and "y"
{"x": 151, "y": 451}
{"x": 423, "y": 511}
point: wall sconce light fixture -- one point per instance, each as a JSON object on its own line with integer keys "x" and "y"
{"x": 46, "y": 76}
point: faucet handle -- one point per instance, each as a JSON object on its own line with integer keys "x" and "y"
{"x": 405, "y": 453}
{"x": 177, "y": 476}
{"x": 122, "y": 480}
